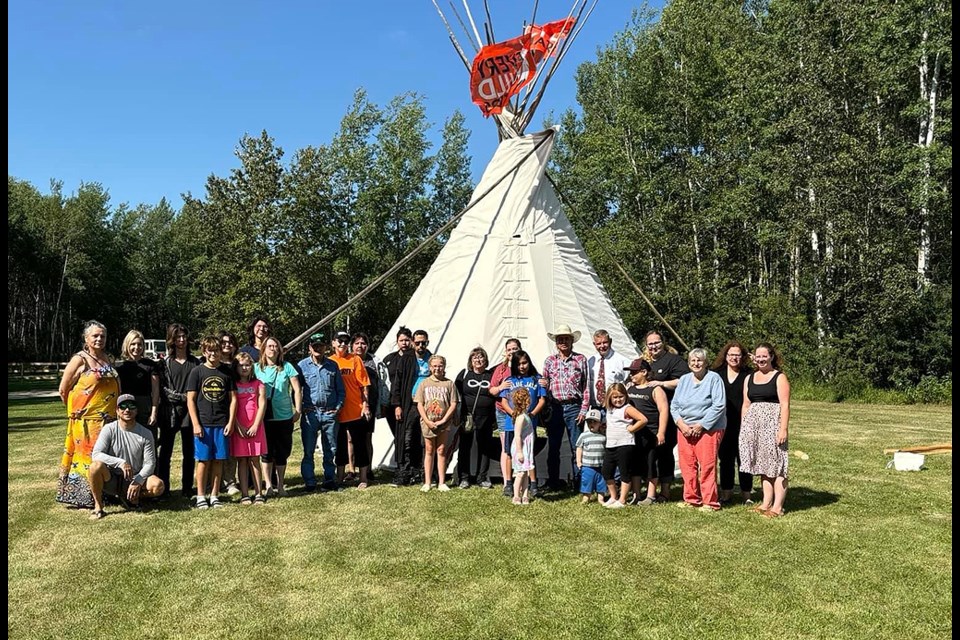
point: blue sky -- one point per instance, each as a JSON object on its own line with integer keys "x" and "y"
{"x": 150, "y": 98}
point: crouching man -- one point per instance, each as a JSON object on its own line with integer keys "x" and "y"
{"x": 124, "y": 459}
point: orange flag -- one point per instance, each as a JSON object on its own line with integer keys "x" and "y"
{"x": 501, "y": 69}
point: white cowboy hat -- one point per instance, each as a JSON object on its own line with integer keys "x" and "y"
{"x": 564, "y": 330}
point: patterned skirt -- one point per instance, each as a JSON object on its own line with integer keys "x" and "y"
{"x": 759, "y": 452}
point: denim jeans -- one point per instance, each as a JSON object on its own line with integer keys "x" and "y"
{"x": 563, "y": 419}
{"x": 314, "y": 425}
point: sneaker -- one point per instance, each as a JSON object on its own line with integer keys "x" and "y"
{"x": 362, "y": 486}
{"x": 615, "y": 505}
{"x": 646, "y": 502}
{"x": 486, "y": 484}
{"x": 232, "y": 489}
{"x": 464, "y": 484}
{"x": 215, "y": 502}
{"x": 201, "y": 503}
{"x": 687, "y": 505}
{"x": 507, "y": 491}
{"x": 282, "y": 492}
{"x": 534, "y": 491}
{"x": 707, "y": 508}
{"x": 634, "y": 499}
{"x": 443, "y": 486}
{"x": 425, "y": 488}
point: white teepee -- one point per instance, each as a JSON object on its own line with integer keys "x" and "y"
{"x": 512, "y": 268}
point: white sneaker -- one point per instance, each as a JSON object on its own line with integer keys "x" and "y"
{"x": 609, "y": 502}
{"x": 443, "y": 487}
{"x": 616, "y": 505}
{"x": 232, "y": 489}
{"x": 425, "y": 488}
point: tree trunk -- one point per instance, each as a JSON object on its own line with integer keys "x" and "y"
{"x": 929, "y": 85}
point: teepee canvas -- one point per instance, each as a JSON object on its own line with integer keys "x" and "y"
{"x": 512, "y": 268}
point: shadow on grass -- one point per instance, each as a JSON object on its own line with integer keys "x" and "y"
{"x": 803, "y": 498}
{"x": 33, "y": 422}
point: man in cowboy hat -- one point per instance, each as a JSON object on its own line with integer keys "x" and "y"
{"x": 566, "y": 377}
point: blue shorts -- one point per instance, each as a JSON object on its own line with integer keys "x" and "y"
{"x": 508, "y": 443}
{"x": 212, "y": 445}
{"x": 592, "y": 480}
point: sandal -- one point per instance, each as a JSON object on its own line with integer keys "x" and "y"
{"x": 98, "y": 514}
{"x": 759, "y": 508}
{"x": 259, "y": 499}
{"x": 246, "y": 500}
{"x": 770, "y": 513}
{"x": 215, "y": 502}
{"x": 362, "y": 486}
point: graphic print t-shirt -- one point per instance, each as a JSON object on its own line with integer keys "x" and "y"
{"x": 436, "y": 396}
{"x": 213, "y": 387}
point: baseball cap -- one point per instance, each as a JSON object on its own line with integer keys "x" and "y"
{"x": 593, "y": 415}
{"x": 342, "y": 336}
{"x": 316, "y": 338}
{"x": 126, "y": 397}
{"x": 638, "y": 365}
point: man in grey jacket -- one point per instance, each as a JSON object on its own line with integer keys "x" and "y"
{"x": 124, "y": 459}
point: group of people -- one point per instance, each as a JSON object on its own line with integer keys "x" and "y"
{"x": 236, "y": 408}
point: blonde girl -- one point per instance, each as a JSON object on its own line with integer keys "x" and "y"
{"x": 249, "y": 441}
{"x": 623, "y": 420}
{"x": 522, "y": 449}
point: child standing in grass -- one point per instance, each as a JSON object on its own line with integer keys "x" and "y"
{"x": 249, "y": 440}
{"x": 590, "y": 448}
{"x": 522, "y": 450}
{"x": 436, "y": 400}
{"x": 212, "y": 405}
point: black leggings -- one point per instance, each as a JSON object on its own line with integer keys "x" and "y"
{"x": 279, "y": 441}
{"x": 174, "y": 420}
{"x": 729, "y": 457}
{"x": 487, "y": 447}
{"x": 358, "y": 430}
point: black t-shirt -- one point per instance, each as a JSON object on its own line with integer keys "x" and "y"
{"x": 474, "y": 388}
{"x": 135, "y": 376}
{"x": 177, "y": 373}
{"x": 213, "y": 387}
{"x": 667, "y": 367}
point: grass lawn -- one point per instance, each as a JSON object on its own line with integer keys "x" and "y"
{"x": 864, "y": 552}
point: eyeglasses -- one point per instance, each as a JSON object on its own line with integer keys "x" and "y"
{"x": 654, "y": 344}
{"x": 421, "y": 343}
{"x": 127, "y": 406}
{"x": 734, "y": 355}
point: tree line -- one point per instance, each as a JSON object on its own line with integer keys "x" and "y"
{"x": 762, "y": 170}
{"x": 777, "y": 170}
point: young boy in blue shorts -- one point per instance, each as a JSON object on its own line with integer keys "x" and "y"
{"x": 590, "y": 448}
{"x": 212, "y": 404}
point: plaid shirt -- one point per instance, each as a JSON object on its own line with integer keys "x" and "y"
{"x": 568, "y": 379}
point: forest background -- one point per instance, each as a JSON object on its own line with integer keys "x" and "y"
{"x": 773, "y": 170}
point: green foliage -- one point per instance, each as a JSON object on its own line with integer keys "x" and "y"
{"x": 756, "y": 169}
{"x": 290, "y": 240}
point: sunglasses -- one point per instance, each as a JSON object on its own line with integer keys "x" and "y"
{"x": 654, "y": 344}
{"x": 127, "y": 406}
{"x": 420, "y": 343}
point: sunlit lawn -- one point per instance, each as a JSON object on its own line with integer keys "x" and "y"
{"x": 864, "y": 552}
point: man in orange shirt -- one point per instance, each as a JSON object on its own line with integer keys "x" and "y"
{"x": 355, "y": 411}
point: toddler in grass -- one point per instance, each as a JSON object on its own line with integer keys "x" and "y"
{"x": 249, "y": 440}
{"x": 522, "y": 449}
{"x": 590, "y": 448}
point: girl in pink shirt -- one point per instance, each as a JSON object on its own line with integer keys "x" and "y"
{"x": 249, "y": 441}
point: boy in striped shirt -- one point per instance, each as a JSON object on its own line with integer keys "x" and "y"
{"x": 590, "y": 446}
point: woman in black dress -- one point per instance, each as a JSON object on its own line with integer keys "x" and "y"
{"x": 733, "y": 365}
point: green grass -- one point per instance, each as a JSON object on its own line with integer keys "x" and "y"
{"x": 864, "y": 552}
{"x": 24, "y": 384}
